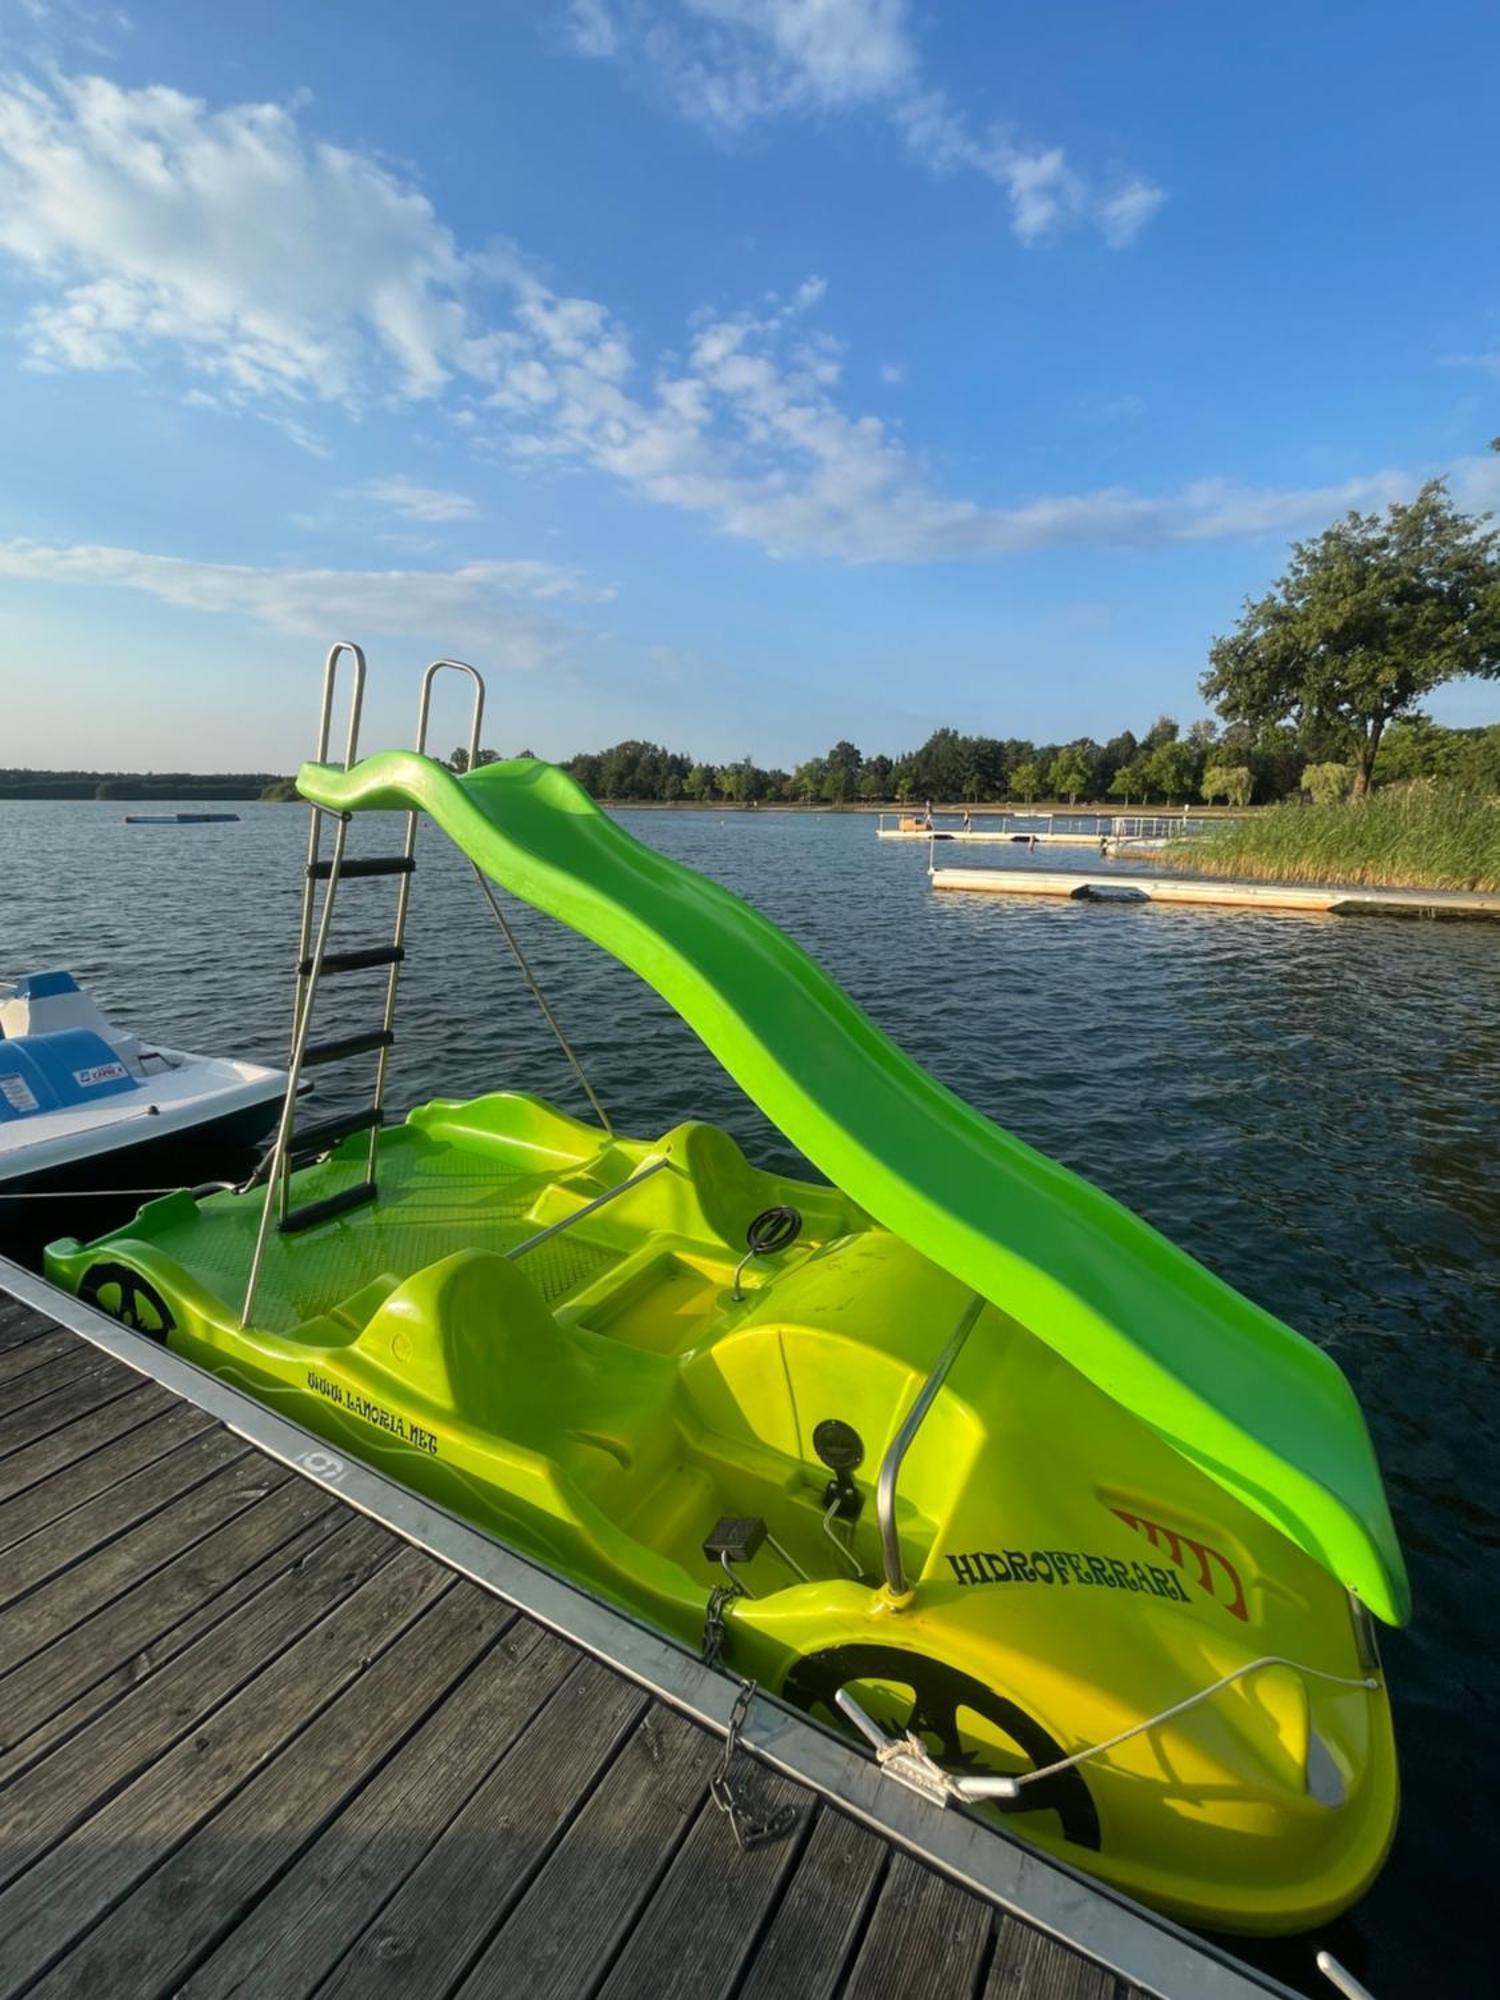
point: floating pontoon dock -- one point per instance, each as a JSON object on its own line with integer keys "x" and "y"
{"x": 1043, "y": 829}
{"x": 998, "y": 838}
{"x": 272, "y": 1724}
{"x": 1205, "y": 889}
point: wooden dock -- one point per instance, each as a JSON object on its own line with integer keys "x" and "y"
{"x": 268, "y": 1724}
{"x": 1208, "y": 890}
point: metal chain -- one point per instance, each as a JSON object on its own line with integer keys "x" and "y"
{"x": 719, "y": 1600}
{"x": 750, "y": 1829}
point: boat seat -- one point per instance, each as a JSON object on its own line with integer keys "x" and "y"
{"x": 472, "y": 1338}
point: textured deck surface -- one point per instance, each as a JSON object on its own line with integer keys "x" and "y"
{"x": 253, "y": 1742}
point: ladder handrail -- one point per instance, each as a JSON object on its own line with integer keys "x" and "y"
{"x": 403, "y": 892}
{"x": 279, "y": 1176}
{"x": 325, "y": 721}
{"x": 424, "y": 705}
{"x": 315, "y": 827}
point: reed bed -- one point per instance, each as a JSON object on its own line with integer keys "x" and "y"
{"x": 1420, "y": 836}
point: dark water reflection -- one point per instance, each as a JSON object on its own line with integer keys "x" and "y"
{"x": 1308, "y": 1104}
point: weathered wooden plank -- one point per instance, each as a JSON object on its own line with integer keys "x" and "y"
{"x": 73, "y": 1885}
{"x": 20, "y": 1360}
{"x": 319, "y": 1568}
{"x": 96, "y": 1580}
{"x": 40, "y": 1459}
{"x": 20, "y": 1323}
{"x": 293, "y": 1937}
{"x": 925, "y": 1935}
{"x": 157, "y": 1934}
{"x": 31, "y": 1407}
{"x": 820, "y": 1918}
{"x": 1029, "y": 1966}
{"x": 576, "y": 1913}
{"x": 426, "y": 1936}
{"x": 87, "y": 1530}
{"x": 698, "y": 1932}
{"x": 98, "y": 1381}
{"x": 151, "y": 1617}
{"x": 52, "y": 1498}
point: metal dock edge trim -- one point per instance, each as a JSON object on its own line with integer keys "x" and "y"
{"x": 1139, "y": 1947}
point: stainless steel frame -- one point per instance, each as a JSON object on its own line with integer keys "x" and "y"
{"x": 890, "y": 1465}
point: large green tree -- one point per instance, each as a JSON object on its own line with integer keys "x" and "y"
{"x": 1371, "y": 616}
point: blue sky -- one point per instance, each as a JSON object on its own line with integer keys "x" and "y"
{"x": 738, "y": 373}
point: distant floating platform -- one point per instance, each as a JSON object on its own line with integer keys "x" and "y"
{"x": 179, "y": 819}
{"x": 1111, "y": 888}
{"x": 1005, "y": 834}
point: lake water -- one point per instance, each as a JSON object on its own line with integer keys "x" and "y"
{"x": 1307, "y": 1104}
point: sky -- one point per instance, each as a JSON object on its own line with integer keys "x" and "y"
{"x": 739, "y": 374}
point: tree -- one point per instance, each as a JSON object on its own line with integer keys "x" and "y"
{"x": 1129, "y": 782}
{"x": 1370, "y": 617}
{"x": 1068, "y": 775}
{"x": 1170, "y": 770}
{"x": 459, "y": 762}
{"x": 841, "y": 773}
{"x": 1328, "y": 783}
{"x": 1027, "y": 779}
{"x": 1231, "y": 782}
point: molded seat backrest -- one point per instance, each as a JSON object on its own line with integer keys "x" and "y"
{"x": 473, "y": 1336}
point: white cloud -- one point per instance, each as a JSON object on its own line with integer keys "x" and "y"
{"x": 418, "y": 503}
{"x": 276, "y": 265}
{"x": 1489, "y": 362}
{"x": 1123, "y": 215}
{"x": 728, "y": 63}
{"x": 590, "y": 28}
{"x": 892, "y": 373}
{"x": 490, "y": 606}
{"x": 297, "y": 274}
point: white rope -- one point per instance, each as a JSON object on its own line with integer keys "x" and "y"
{"x": 1190, "y": 1701}
{"x": 109, "y": 1194}
{"x": 540, "y": 998}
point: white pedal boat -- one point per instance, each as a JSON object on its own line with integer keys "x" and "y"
{"x": 86, "y": 1105}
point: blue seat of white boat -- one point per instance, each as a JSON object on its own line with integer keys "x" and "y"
{"x": 58, "y": 1072}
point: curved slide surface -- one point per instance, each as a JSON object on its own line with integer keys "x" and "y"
{"x": 1255, "y": 1406}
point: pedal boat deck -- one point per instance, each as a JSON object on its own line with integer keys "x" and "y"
{"x": 593, "y": 1392}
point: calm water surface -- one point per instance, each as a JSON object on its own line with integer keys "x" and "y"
{"x": 1307, "y": 1104}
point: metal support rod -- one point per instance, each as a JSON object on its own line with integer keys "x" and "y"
{"x": 403, "y": 891}
{"x": 890, "y": 1465}
{"x": 315, "y": 822}
{"x": 541, "y": 999}
{"x": 276, "y": 1179}
{"x": 599, "y": 1200}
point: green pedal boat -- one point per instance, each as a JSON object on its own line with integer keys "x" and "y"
{"x": 955, "y": 1448}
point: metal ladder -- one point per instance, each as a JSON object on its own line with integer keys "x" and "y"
{"x": 315, "y": 962}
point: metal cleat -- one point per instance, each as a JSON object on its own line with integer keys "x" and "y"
{"x": 908, "y": 1760}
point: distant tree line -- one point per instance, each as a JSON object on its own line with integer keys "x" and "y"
{"x": 1236, "y": 765}
{"x": 16, "y": 783}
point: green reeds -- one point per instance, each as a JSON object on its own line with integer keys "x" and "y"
{"x": 1420, "y": 836}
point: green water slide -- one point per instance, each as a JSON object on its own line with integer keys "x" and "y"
{"x": 1240, "y": 1395}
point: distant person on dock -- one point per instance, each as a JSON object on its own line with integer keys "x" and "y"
{"x": 1031, "y": 843}
{"x": 968, "y": 820}
{"x": 927, "y": 818}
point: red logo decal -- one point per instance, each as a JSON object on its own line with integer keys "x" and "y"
{"x": 1196, "y": 1558}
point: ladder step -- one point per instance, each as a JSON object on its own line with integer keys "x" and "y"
{"x": 318, "y": 1138}
{"x": 355, "y": 961}
{"x": 364, "y": 865}
{"x": 314, "y": 1212}
{"x": 338, "y": 1048}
